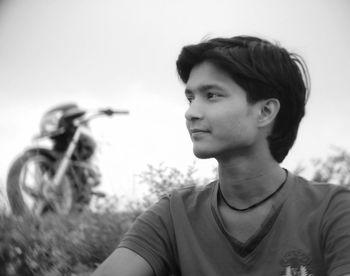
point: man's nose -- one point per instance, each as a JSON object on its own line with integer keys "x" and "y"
{"x": 194, "y": 111}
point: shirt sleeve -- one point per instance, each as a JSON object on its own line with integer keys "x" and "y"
{"x": 151, "y": 236}
{"x": 336, "y": 233}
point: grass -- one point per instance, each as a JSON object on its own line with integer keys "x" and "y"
{"x": 59, "y": 245}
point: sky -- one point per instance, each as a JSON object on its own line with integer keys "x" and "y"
{"x": 122, "y": 54}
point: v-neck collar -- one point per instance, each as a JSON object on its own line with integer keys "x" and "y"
{"x": 245, "y": 249}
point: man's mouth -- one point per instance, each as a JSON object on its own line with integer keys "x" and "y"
{"x": 197, "y": 133}
{"x": 197, "y": 130}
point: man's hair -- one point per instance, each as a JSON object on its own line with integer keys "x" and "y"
{"x": 264, "y": 70}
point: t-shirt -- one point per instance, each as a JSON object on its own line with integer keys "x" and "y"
{"x": 307, "y": 233}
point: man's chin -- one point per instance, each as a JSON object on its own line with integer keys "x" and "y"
{"x": 202, "y": 154}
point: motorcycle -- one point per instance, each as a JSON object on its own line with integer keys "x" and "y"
{"x": 59, "y": 179}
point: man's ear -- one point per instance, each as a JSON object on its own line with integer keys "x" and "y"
{"x": 268, "y": 111}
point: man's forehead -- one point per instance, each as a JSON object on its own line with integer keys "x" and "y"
{"x": 206, "y": 73}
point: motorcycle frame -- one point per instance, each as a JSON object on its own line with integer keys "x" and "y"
{"x": 66, "y": 159}
{"x": 67, "y": 156}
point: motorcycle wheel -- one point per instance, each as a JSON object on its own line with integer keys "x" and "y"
{"x": 26, "y": 182}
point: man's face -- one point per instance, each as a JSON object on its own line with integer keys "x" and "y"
{"x": 219, "y": 119}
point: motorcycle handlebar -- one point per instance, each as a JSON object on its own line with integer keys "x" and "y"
{"x": 106, "y": 111}
{"x": 111, "y": 112}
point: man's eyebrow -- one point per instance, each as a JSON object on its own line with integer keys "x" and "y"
{"x": 203, "y": 88}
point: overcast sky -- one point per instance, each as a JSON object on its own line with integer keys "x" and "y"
{"x": 122, "y": 54}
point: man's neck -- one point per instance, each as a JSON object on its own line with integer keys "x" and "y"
{"x": 245, "y": 181}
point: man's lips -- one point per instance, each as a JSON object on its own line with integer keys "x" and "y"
{"x": 197, "y": 130}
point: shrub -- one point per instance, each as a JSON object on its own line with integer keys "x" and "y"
{"x": 162, "y": 180}
{"x": 58, "y": 245}
{"x": 335, "y": 168}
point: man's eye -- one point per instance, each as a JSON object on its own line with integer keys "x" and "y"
{"x": 211, "y": 95}
{"x": 189, "y": 99}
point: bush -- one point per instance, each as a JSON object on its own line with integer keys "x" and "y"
{"x": 162, "y": 180}
{"x": 58, "y": 245}
{"x": 76, "y": 244}
{"x": 335, "y": 168}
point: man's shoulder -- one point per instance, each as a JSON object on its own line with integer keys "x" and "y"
{"x": 321, "y": 192}
{"x": 194, "y": 190}
{"x": 322, "y": 187}
{"x": 193, "y": 195}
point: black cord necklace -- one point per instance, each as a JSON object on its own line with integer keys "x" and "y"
{"x": 255, "y": 204}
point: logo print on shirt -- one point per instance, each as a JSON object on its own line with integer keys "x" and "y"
{"x": 296, "y": 263}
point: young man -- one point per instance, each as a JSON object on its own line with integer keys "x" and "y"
{"x": 246, "y": 99}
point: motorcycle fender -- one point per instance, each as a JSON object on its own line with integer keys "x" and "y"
{"x": 43, "y": 151}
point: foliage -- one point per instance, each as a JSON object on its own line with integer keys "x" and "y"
{"x": 3, "y": 200}
{"x": 335, "y": 168}
{"x": 107, "y": 204}
{"x": 162, "y": 180}
{"x": 75, "y": 244}
{"x": 58, "y": 245}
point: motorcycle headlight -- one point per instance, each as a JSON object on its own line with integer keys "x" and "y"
{"x": 50, "y": 123}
